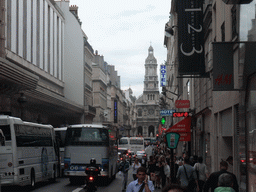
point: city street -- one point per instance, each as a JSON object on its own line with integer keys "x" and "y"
{"x": 63, "y": 185}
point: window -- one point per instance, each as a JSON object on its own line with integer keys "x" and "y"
{"x": 223, "y": 32}
{"x": 234, "y": 22}
{"x": 188, "y": 89}
{"x": 140, "y": 112}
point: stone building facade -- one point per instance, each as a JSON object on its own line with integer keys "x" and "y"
{"x": 224, "y": 119}
{"x": 147, "y": 105}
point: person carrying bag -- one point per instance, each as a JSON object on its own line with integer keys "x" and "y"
{"x": 185, "y": 174}
{"x": 192, "y": 183}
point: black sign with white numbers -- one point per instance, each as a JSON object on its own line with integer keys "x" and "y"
{"x": 190, "y": 37}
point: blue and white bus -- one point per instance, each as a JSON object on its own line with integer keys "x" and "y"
{"x": 84, "y": 142}
{"x": 28, "y": 152}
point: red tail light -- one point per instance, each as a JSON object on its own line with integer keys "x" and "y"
{"x": 242, "y": 160}
{"x": 91, "y": 178}
{"x": 66, "y": 166}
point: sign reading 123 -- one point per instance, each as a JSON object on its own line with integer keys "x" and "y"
{"x": 192, "y": 30}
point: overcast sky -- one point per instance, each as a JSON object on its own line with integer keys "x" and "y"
{"x": 122, "y": 30}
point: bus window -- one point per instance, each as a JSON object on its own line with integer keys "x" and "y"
{"x": 6, "y": 132}
{"x": 123, "y": 141}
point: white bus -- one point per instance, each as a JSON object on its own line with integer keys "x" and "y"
{"x": 27, "y": 152}
{"x": 132, "y": 143}
{"x": 60, "y": 135}
{"x": 84, "y": 142}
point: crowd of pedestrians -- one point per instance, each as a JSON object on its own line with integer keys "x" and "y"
{"x": 189, "y": 174}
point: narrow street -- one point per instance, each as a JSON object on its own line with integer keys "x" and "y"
{"x": 63, "y": 185}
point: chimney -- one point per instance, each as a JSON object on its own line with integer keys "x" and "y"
{"x": 74, "y": 9}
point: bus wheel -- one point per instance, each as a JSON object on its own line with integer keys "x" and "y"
{"x": 32, "y": 179}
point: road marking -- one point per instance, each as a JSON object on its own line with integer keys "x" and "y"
{"x": 77, "y": 190}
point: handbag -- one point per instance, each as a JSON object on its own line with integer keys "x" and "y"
{"x": 191, "y": 182}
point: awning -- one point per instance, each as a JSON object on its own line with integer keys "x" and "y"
{"x": 182, "y": 126}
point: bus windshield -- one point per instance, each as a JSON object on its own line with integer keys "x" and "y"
{"x": 123, "y": 141}
{"x": 136, "y": 142}
{"x": 87, "y": 136}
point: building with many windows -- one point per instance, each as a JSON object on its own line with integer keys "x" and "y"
{"x": 223, "y": 104}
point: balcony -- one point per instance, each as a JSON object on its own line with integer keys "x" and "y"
{"x": 89, "y": 110}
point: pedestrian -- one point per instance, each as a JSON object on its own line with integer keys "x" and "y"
{"x": 167, "y": 172}
{"x": 212, "y": 181}
{"x": 173, "y": 188}
{"x": 186, "y": 173}
{"x": 201, "y": 172}
{"x": 135, "y": 166}
{"x": 142, "y": 184}
{"x": 152, "y": 168}
{"x": 225, "y": 183}
{"x": 230, "y": 162}
{"x": 124, "y": 168}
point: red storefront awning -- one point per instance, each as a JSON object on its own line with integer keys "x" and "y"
{"x": 182, "y": 126}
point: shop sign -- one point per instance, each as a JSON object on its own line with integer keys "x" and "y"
{"x": 182, "y": 103}
{"x": 185, "y": 136}
{"x": 190, "y": 38}
{"x": 182, "y": 126}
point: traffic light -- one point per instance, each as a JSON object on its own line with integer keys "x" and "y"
{"x": 163, "y": 120}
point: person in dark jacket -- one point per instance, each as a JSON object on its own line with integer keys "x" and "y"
{"x": 124, "y": 168}
{"x": 212, "y": 181}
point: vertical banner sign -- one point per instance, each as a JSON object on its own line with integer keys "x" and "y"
{"x": 223, "y": 70}
{"x": 115, "y": 111}
{"x": 190, "y": 37}
{"x": 163, "y": 75}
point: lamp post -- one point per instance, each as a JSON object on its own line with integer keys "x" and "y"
{"x": 22, "y": 100}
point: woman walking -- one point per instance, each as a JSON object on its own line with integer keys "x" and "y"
{"x": 135, "y": 166}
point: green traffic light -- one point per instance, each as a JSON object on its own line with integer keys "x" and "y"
{"x": 163, "y": 121}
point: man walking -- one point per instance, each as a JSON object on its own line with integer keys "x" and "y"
{"x": 142, "y": 184}
{"x": 212, "y": 181}
{"x": 124, "y": 168}
{"x": 186, "y": 173}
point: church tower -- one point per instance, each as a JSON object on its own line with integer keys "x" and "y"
{"x": 151, "y": 90}
{"x": 147, "y": 105}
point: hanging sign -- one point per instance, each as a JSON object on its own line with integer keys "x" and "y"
{"x": 190, "y": 38}
{"x": 172, "y": 140}
{"x": 182, "y": 103}
{"x": 163, "y": 75}
{"x": 223, "y": 67}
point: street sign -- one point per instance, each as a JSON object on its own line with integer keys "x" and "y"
{"x": 172, "y": 140}
{"x": 162, "y": 75}
{"x": 167, "y": 112}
